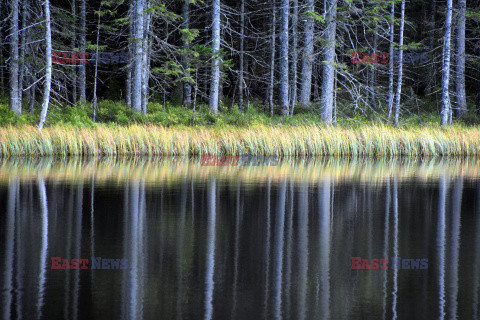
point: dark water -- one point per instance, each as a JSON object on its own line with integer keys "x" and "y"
{"x": 240, "y": 243}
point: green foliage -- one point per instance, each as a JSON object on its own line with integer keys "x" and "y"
{"x": 318, "y": 17}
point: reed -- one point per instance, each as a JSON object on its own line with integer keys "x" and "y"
{"x": 282, "y": 140}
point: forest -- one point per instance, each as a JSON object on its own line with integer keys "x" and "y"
{"x": 198, "y": 62}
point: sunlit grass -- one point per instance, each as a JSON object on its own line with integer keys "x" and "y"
{"x": 282, "y": 140}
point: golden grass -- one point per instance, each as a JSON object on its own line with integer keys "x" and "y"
{"x": 368, "y": 140}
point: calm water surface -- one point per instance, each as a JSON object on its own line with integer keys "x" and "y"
{"x": 250, "y": 242}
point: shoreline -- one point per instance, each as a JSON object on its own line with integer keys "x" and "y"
{"x": 309, "y": 140}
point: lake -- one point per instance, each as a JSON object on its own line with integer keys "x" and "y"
{"x": 171, "y": 238}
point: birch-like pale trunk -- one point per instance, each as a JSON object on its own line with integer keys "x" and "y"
{"x": 326, "y": 112}
{"x": 293, "y": 84}
{"x": 460, "y": 96}
{"x": 94, "y": 107}
{"x": 271, "y": 82}
{"x": 446, "y": 106}
{"x": 215, "y": 75}
{"x": 82, "y": 70}
{"x": 23, "y": 42}
{"x": 242, "y": 54}
{"x": 15, "y": 104}
{"x": 307, "y": 57}
{"x": 48, "y": 67}
{"x": 146, "y": 59}
{"x": 73, "y": 44}
{"x": 283, "y": 57}
{"x": 400, "y": 65}
{"x": 137, "y": 76}
{"x": 391, "y": 73}
{"x": 187, "y": 87}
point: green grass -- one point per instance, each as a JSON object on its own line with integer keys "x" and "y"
{"x": 174, "y": 130}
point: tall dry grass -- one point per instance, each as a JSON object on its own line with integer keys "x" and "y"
{"x": 368, "y": 140}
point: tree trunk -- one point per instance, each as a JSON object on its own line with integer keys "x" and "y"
{"x": 15, "y": 104}
{"x": 146, "y": 61}
{"x": 478, "y": 90}
{"x": 215, "y": 80}
{"x": 2, "y": 73}
{"x": 187, "y": 87}
{"x": 446, "y": 66}
{"x": 293, "y": 85}
{"x": 326, "y": 113}
{"x": 73, "y": 44}
{"x": 82, "y": 71}
{"x": 391, "y": 74}
{"x": 272, "y": 59}
{"x": 307, "y": 57}
{"x": 283, "y": 56}
{"x": 371, "y": 76}
{"x": 48, "y": 59}
{"x": 400, "y": 64}
{"x": 23, "y": 41}
{"x": 129, "y": 67}
{"x": 94, "y": 107}
{"x": 431, "y": 45}
{"x": 138, "y": 57}
{"x": 461, "y": 101}
{"x": 242, "y": 54}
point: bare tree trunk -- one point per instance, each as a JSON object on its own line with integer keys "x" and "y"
{"x": 478, "y": 91}
{"x": 23, "y": 41}
{"x": 431, "y": 45}
{"x": 83, "y": 48}
{"x": 371, "y": 75}
{"x": 146, "y": 61}
{"x": 293, "y": 85}
{"x": 307, "y": 57}
{"x": 128, "y": 82}
{"x": 2, "y": 73}
{"x": 446, "y": 66}
{"x": 94, "y": 107}
{"x": 400, "y": 64}
{"x": 283, "y": 56}
{"x": 215, "y": 80}
{"x": 73, "y": 44}
{"x": 461, "y": 101}
{"x": 187, "y": 87}
{"x": 391, "y": 74}
{"x": 48, "y": 58}
{"x": 326, "y": 113}
{"x": 15, "y": 104}
{"x": 138, "y": 57}
{"x": 242, "y": 54}
{"x": 272, "y": 59}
